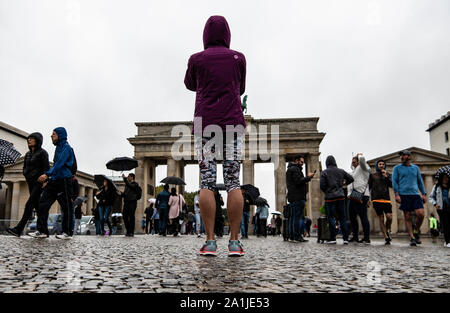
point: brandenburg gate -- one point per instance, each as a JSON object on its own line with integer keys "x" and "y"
{"x": 287, "y": 137}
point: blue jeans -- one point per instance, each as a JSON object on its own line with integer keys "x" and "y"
{"x": 244, "y": 223}
{"x": 163, "y": 217}
{"x": 104, "y": 212}
{"x": 337, "y": 207}
{"x": 98, "y": 228}
{"x": 295, "y": 221}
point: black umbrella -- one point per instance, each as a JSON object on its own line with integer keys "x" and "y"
{"x": 122, "y": 164}
{"x": 79, "y": 200}
{"x": 443, "y": 170}
{"x": 8, "y": 154}
{"x": 98, "y": 180}
{"x": 261, "y": 201}
{"x": 173, "y": 180}
{"x": 251, "y": 191}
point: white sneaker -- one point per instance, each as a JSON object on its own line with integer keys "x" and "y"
{"x": 331, "y": 242}
{"x": 448, "y": 245}
{"x": 345, "y": 242}
{"x": 37, "y": 234}
{"x": 63, "y": 236}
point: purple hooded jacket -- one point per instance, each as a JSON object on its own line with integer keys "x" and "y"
{"x": 217, "y": 75}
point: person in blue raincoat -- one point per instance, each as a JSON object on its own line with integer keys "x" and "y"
{"x": 57, "y": 187}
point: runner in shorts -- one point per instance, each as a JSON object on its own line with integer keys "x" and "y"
{"x": 217, "y": 75}
{"x": 379, "y": 183}
{"x": 407, "y": 182}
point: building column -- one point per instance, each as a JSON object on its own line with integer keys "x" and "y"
{"x": 82, "y": 191}
{"x": 397, "y": 215}
{"x": 150, "y": 170}
{"x": 180, "y": 173}
{"x": 8, "y": 204}
{"x": 171, "y": 167}
{"x": 315, "y": 196}
{"x": 428, "y": 207}
{"x": 141, "y": 179}
{"x": 15, "y": 203}
{"x": 90, "y": 201}
{"x": 280, "y": 183}
{"x": 248, "y": 177}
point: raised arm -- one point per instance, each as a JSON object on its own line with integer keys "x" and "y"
{"x": 190, "y": 79}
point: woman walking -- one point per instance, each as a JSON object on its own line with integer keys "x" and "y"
{"x": 106, "y": 196}
{"x": 440, "y": 199}
{"x": 176, "y": 204}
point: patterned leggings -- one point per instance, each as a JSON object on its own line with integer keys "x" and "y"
{"x": 231, "y": 153}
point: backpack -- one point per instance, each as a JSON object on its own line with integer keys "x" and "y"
{"x": 138, "y": 192}
{"x": 74, "y": 164}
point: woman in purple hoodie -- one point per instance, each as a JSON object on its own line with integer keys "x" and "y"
{"x": 217, "y": 75}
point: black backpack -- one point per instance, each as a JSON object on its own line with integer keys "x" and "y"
{"x": 138, "y": 192}
{"x": 74, "y": 164}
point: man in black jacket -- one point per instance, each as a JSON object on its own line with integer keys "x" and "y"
{"x": 35, "y": 164}
{"x": 331, "y": 183}
{"x": 130, "y": 197}
{"x": 297, "y": 188}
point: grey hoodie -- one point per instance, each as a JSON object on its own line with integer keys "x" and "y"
{"x": 332, "y": 180}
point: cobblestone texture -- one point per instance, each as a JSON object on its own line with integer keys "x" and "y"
{"x": 149, "y": 263}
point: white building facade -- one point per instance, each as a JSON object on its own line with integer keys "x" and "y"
{"x": 439, "y": 134}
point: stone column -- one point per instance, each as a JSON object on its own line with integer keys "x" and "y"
{"x": 8, "y": 205}
{"x": 248, "y": 177}
{"x": 15, "y": 203}
{"x": 315, "y": 196}
{"x": 171, "y": 167}
{"x": 398, "y": 219}
{"x": 144, "y": 183}
{"x": 280, "y": 183}
{"x": 23, "y": 198}
{"x": 428, "y": 207}
{"x": 180, "y": 173}
{"x": 151, "y": 180}
{"x": 90, "y": 201}
{"x": 82, "y": 193}
{"x": 140, "y": 179}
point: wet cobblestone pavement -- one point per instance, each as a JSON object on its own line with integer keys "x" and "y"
{"x": 156, "y": 264}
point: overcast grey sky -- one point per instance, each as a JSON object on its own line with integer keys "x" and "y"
{"x": 375, "y": 72}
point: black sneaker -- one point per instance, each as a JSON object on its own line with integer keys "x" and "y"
{"x": 366, "y": 242}
{"x": 13, "y": 231}
{"x": 302, "y": 239}
{"x": 417, "y": 238}
{"x": 360, "y": 241}
{"x": 388, "y": 234}
{"x": 412, "y": 242}
{"x": 387, "y": 241}
{"x": 353, "y": 239}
